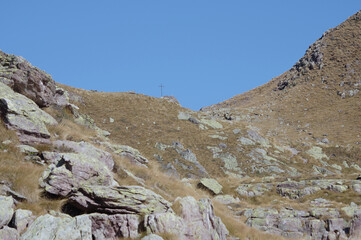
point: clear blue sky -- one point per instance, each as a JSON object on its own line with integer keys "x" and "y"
{"x": 203, "y": 51}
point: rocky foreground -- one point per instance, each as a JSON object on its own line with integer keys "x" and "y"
{"x": 96, "y": 169}
{"x": 97, "y": 206}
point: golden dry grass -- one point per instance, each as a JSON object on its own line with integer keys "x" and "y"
{"x": 23, "y": 176}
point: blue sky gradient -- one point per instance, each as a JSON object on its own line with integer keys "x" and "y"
{"x": 203, "y": 51}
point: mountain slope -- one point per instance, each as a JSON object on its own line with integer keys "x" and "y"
{"x": 318, "y": 97}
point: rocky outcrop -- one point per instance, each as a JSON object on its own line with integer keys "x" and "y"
{"x": 200, "y": 219}
{"x": 114, "y": 226}
{"x": 21, "y": 220}
{"x": 24, "y": 116}
{"x": 6, "y": 210}
{"x": 74, "y": 170}
{"x": 132, "y": 154}
{"x": 118, "y": 200}
{"x": 197, "y": 221}
{"x": 60, "y": 227}
{"x": 317, "y": 223}
{"x": 9, "y": 234}
{"x": 27, "y": 80}
{"x": 87, "y": 149}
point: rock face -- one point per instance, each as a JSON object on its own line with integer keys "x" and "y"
{"x": 23, "y": 115}
{"x": 291, "y": 223}
{"x": 132, "y": 154}
{"x": 119, "y": 200}
{"x": 61, "y": 228}
{"x": 22, "y": 219}
{"x": 27, "y": 80}
{"x": 87, "y": 149}
{"x": 197, "y": 221}
{"x": 114, "y": 226}
{"x": 73, "y": 171}
{"x": 6, "y": 210}
{"x": 9, "y": 234}
{"x": 355, "y": 229}
{"x": 200, "y": 219}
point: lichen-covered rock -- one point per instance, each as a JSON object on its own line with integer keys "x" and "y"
{"x": 316, "y": 153}
{"x": 9, "y": 234}
{"x": 60, "y": 228}
{"x": 87, "y": 149}
{"x": 128, "y": 152}
{"x": 122, "y": 200}
{"x": 200, "y": 220}
{"x": 226, "y": 199}
{"x": 6, "y": 210}
{"x": 211, "y": 123}
{"x": 212, "y": 185}
{"x": 73, "y": 171}
{"x": 25, "y": 79}
{"x": 106, "y": 227}
{"x": 165, "y": 223}
{"x": 23, "y": 115}
{"x": 22, "y": 219}
{"x": 29, "y": 150}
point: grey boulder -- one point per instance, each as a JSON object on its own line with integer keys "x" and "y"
{"x": 118, "y": 200}
{"x": 9, "y": 234}
{"x": 87, "y": 149}
{"x": 6, "y": 210}
{"x": 73, "y": 171}
{"x": 60, "y": 228}
{"x": 24, "y": 116}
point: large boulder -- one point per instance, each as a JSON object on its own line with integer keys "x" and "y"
{"x": 197, "y": 221}
{"x": 22, "y": 219}
{"x": 355, "y": 229}
{"x": 28, "y": 80}
{"x": 87, "y": 149}
{"x": 165, "y": 223}
{"x": 9, "y": 234}
{"x": 118, "y": 200}
{"x": 73, "y": 171}
{"x": 200, "y": 220}
{"x": 6, "y": 210}
{"x": 114, "y": 226}
{"x": 60, "y": 228}
{"x": 24, "y": 116}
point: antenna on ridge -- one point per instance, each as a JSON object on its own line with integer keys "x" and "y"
{"x": 161, "y": 89}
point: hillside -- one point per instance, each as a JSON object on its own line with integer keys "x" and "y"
{"x": 280, "y": 161}
{"x": 318, "y": 97}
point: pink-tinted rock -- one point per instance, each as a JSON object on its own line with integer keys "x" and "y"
{"x": 114, "y": 226}
{"x": 165, "y": 223}
{"x": 197, "y": 221}
{"x": 22, "y": 219}
{"x": 28, "y": 80}
{"x": 355, "y": 229}
{"x": 73, "y": 171}
{"x": 201, "y": 221}
{"x": 118, "y": 200}
{"x": 9, "y": 234}
{"x": 87, "y": 149}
